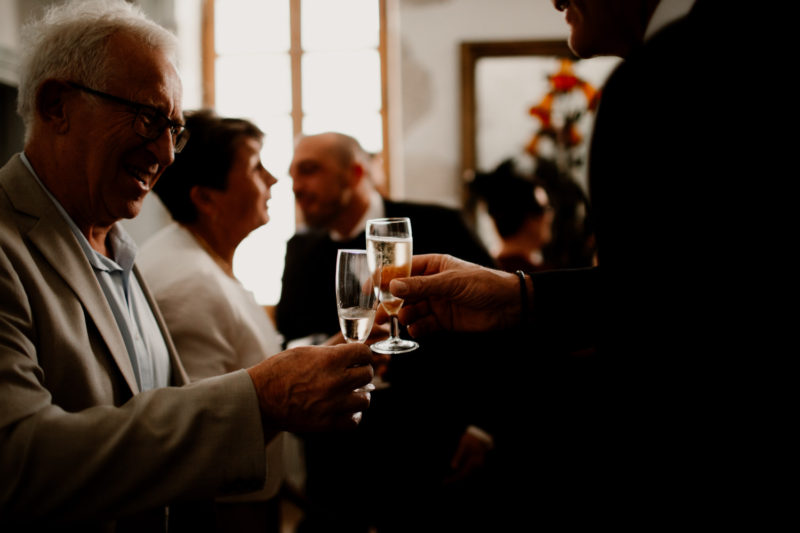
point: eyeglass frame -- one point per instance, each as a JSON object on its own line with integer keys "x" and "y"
{"x": 178, "y": 131}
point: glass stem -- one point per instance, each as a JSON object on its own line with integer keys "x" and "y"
{"x": 395, "y": 327}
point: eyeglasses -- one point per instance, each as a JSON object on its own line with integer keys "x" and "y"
{"x": 149, "y": 123}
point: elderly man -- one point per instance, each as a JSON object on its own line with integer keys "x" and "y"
{"x": 94, "y": 430}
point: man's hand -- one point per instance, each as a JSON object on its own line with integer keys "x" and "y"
{"x": 313, "y": 388}
{"x": 445, "y": 293}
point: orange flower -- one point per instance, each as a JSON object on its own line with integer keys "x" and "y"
{"x": 564, "y": 83}
{"x": 532, "y": 146}
{"x": 542, "y": 111}
{"x": 561, "y": 82}
{"x": 594, "y": 101}
{"x": 542, "y": 114}
{"x": 564, "y": 80}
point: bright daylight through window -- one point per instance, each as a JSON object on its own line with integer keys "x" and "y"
{"x": 318, "y": 72}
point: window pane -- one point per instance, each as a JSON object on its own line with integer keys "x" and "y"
{"x": 367, "y": 128}
{"x": 251, "y": 26}
{"x": 340, "y": 24}
{"x": 341, "y": 81}
{"x": 258, "y": 262}
{"x": 278, "y": 143}
{"x": 253, "y": 85}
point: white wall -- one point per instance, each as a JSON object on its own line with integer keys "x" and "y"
{"x": 430, "y": 33}
{"x": 8, "y": 39}
{"x": 13, "y": 14}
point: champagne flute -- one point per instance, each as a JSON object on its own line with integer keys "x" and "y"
{"x": 356, "y": 299}
{"x": 356, "y": 296}
{"x": 389, "y": 250}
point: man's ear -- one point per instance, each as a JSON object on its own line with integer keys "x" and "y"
{"x": 51, "y": 104}
{"x": 357, "y": 170}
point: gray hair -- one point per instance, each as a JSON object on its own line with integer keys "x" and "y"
{"x": 69, "y": 43}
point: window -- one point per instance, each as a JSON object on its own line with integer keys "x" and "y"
{"x": 293, "y": 66}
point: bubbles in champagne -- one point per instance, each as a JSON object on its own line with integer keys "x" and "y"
{"x": 392, "y": 257}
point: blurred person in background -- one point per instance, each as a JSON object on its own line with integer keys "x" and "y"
{"x": 520, "y": 210}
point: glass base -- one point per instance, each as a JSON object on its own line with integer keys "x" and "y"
{"x": 392, "y": 346}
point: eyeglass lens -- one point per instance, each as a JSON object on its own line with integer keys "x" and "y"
{"x": 151, "y": 125}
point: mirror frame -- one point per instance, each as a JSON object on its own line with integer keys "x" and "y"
{"x": 471, "y": 52}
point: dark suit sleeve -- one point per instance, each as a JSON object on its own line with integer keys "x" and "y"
{"x": 308, "y": 296}
{"x": 563, "y": 313}
{"x": 285, "y": 308}
{"x": 297, "y": 293}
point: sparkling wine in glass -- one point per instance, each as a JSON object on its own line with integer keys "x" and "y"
{"x": 356, "y": 295}
{"x": 356, "y": 299}
{"x": 389, "y": 250}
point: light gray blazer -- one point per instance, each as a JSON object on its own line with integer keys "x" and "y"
{"x": 78, "y": 441}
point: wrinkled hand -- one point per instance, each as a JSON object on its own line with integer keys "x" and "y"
{"x": 470, "y": 457}
{"x": 446, "y": 293}
{"x": 314, "y": 388}
{"x": 377, "y": 333}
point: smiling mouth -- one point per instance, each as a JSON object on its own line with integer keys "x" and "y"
{"x": 144, "y": 177}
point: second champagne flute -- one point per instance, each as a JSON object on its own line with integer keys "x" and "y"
{"x": 356, "y": 298}
{"x": 389, "y": 250}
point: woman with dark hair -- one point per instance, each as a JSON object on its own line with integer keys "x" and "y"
{"x": 217, "y": 192}
{"x": 521, "y": 212}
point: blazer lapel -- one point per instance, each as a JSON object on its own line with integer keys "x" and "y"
{"x": 53, "y": 238}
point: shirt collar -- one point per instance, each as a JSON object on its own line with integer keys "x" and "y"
{"x": 667, "y": 11}
{"x": 123, "y": 248}
{"x": 374, "y": 210}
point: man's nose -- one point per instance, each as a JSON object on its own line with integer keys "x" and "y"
{"x": 163, "y": 148}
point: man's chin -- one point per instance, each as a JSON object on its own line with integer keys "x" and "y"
{"x": 577, "y": 47}
{"x": 131, "y": 209}
{"x": 313, "y": 222}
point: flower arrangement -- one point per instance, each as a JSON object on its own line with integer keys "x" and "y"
{"x": 559, "y": 112}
